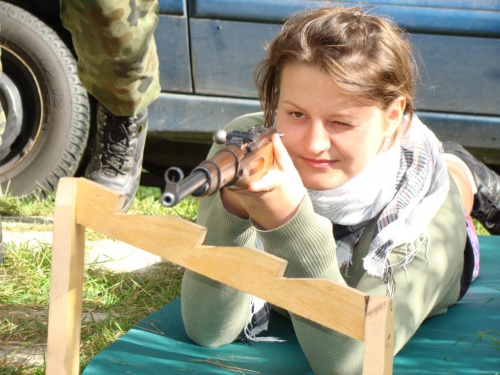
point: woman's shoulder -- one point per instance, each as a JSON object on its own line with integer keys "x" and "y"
{"x": 242, "y": 123}
{"x": 245, "y": 122}
{"x": 447, "y": 228}
{"x": 452, "y": 209}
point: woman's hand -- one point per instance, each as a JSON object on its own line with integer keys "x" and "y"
{"x": 272, "y": 200}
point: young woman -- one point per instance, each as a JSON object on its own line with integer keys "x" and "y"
{"x": 339, "y": 84}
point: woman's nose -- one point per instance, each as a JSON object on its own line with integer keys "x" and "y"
{"x": 317, "y": 139}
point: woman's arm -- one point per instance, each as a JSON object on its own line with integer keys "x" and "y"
{"x": 214, "y": 314}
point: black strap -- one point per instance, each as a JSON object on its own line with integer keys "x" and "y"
{"x": 468, "y": 269}
{"x": 340, "y": 231}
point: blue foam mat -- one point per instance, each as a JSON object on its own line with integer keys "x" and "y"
{"x": 446, "y": 344}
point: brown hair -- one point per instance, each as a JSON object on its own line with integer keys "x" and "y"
{"x": 365, "y": 55}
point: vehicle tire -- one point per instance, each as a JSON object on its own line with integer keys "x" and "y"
{"x": 47, "y": 108}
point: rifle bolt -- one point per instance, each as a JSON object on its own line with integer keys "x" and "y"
{"x": 220, "y": 137}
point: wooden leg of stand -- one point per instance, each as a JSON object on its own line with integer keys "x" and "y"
{"x": 379, "y": 336}
{"x": 66, "y": 288}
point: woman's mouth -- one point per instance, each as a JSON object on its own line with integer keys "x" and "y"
{"x": 319, "y": 163}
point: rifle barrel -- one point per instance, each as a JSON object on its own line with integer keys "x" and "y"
{"x": 178, "y": 189}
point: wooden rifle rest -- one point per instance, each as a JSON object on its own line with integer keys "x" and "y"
{"x": 82, "y": 204}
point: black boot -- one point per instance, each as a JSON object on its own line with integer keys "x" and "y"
{"x": 117, "y": 153}
{"x": 486, "y": 207}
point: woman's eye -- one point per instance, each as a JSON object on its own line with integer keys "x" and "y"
{"x": 297, "y": 115}
{"x": 339, "y": 123}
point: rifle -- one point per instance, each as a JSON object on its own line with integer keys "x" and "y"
{"x": 246, "y": 158}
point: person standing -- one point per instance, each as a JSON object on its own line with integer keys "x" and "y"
{"x": 118, "y": 65}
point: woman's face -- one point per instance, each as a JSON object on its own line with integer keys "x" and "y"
{"x": 330, "y": 136}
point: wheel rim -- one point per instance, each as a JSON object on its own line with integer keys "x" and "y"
{"x": 20, "y": 92}
{"x": 11, "y": 104}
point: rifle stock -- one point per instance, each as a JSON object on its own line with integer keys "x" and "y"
{"x": 246, "y": 158}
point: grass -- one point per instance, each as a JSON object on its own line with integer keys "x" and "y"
{"x": 490, "y": 335}
{"x": 26, "y": 206}
{"x": 112, "y": 303}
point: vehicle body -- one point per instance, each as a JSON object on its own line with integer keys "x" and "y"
{"x": 208, "y": 50}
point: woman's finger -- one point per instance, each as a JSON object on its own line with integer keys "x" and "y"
{"x": 268, "y": 182}
{"x": 283, "y": 160}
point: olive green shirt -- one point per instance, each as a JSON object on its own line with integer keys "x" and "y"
{"x": 215, "y": 314}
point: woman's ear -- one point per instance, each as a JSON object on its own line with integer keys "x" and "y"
{"x": 394, "y": 115}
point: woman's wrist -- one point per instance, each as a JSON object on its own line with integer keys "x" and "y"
{"x": 232, "y": 204}
{"x": 275, "y": 215}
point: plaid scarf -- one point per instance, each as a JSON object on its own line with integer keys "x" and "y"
{"x": 406, "y": 185}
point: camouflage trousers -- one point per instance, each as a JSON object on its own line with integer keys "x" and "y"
{"x": 117, "y": 58}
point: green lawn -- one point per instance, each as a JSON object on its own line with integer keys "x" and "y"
{"x": 113, "y": 302}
